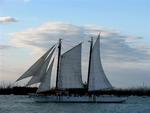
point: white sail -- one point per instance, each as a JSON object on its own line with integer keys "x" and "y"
{"x": 41, "y": 72}
{"x": 97, "y": 78}
{"x": 36, "y": 66}
{"x": 46, "y": 80}
{"x": 70, "y": 69}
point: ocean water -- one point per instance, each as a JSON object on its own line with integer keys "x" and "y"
{"x": 23, "y": 104}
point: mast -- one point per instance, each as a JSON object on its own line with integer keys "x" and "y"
{"x": 58, "y": 63}
{"x": 91, "y": 46}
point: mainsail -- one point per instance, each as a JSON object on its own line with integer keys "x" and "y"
{"x": 70, "y": 69}
{"x": 36, "y": 66}
{"x": 41, "y": 72}
{"x": 46, "y": 80}
{"x": 97, "y": 78}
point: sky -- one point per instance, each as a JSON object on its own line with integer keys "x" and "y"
{"x": 29, "y": 27}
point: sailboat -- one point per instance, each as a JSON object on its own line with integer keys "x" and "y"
{"x": 69, "y": 86}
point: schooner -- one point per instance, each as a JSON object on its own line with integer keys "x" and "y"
{"x": 69, "y": 86}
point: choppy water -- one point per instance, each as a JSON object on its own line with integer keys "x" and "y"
{"x": 23, "y": 104}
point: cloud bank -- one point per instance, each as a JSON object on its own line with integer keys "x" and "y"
{"x": 5, "y": 46}
{"x": 114, "y": 45}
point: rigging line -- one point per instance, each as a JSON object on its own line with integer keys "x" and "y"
{"x": 68, "y": 45}
{"x": 72, "y": 41}
{"x": 82, "y": 39}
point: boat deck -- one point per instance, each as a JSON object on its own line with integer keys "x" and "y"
{"x": 78, "y": 99}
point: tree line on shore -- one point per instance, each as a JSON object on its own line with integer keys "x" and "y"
{"x": 20, "y": 90}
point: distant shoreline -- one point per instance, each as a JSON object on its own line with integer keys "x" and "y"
{"x": 18, "y": 90}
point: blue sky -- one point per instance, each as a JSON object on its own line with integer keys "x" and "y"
{"x": 129, "y": 18}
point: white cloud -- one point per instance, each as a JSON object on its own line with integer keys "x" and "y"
{"x": 132, "y": 38}
{"x": 50, "y": 32}
{"x": 7, "y": 19}
{"x": 4, "y": 46}
{"x": 114, "y": 44}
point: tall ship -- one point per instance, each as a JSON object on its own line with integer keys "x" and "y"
{"x": 69, "y": 86}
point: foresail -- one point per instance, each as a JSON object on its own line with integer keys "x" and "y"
{"x": 97, "y": 78}
{"x": 36, "y": 66}
{"x": 41, "y": 72}
{"x": 70, "y": 69}
{"x": 46, "y": 80}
